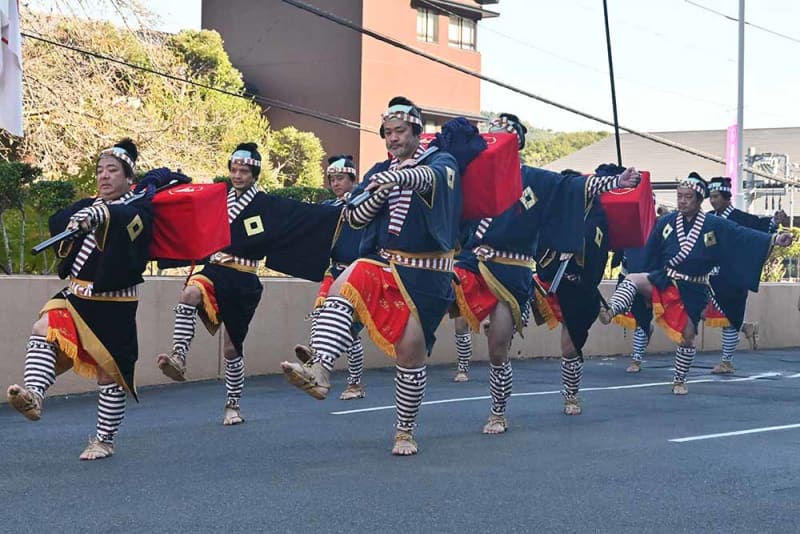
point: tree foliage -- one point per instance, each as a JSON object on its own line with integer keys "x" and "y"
{"x": 75, "y": 105}
{"x": 544, "y": 146}
{"x": 296, "y": 157}
{"x": 775, "y": 266}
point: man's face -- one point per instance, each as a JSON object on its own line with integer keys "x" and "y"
{"x": 688, "y": 203}
{"x": 718, "y": 202}
{"x": 400, "y": 139}
{"x": 341, "y": 183}
{"x": 241, "y": 176}
{"x": 111, "y": 180}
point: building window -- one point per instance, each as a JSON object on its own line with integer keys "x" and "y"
{"x": 461, "y": 33}
{"x": 427, "y": 26}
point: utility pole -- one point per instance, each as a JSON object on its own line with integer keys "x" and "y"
{"x": 739, "y": 200}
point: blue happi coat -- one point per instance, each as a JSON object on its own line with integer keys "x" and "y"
{"x": 693, "y": 249}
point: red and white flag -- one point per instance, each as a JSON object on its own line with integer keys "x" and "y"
{"x": 10, "y": 68}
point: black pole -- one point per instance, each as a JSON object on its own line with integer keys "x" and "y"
{"x": 613, "y": 86}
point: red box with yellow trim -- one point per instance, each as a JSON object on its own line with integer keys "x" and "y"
{"x": 190, "y": 222}
{"x": 492, "y": 181}
{"x": 631, "y": 214}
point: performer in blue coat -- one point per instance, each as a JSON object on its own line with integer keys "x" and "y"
{"x": 400, "y": 287}
{"x": 341, "y": 176}
{"x": 495, "y": 277}
{"x": 295, "y": 237}
{"x": 90, "y": 326}
{"x": 727, "y": 305}
{"x": 682, "y": 250}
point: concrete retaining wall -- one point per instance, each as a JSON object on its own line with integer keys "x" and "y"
{"x": 278, "y": 325}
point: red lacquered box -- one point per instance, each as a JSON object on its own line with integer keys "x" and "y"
{"x": 631, "y": 214}
{"x": 191, "y": 222}
{"x": 492, "y": 181}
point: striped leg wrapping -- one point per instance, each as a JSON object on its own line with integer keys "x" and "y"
{"x": 571, "y": 374}
{"x": 500, "y": 381}
{"x": 185, "y": 321}
{"x": 683, "y": 362}
{"x": 313, "y": 317}
{"x": 622, "y": 299}
{"x": 409, "y": 390}
{"x": 640, "y": 341}
{"x": 355, "y": 362}
{"x": 332, "y": 335}
{"x": 110, "y": 411}
{"x": 234, "y": 379}
{"x": 730, "y": 340}
{"x": 40, "y": 365}
{"x": 464, "y": 351}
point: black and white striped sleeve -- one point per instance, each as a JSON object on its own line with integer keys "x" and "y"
{"x": 597, "y": 185}
{"x": 96, "y": 214}
{"x": 362, "y": 214}
{"x": 419, "y": 179}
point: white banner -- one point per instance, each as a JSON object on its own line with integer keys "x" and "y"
{"x": 10, "y": 68}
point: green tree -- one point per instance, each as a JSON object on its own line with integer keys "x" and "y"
{"x": 296, "y": 157}
{"x": 14, "y": 181}
{"x": 775, "y": 266}
{"x": 47, "y": 197}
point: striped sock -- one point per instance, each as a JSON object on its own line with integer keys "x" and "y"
{"x": 234, "y": 379}
{"x": 500, "y": 381}
{"x": 640, "y": 341}
{"x": 409, "y": 390}
{"x": 313, "y": 318}
{"x": 110, "y": 411}
{"x": 40, "y": 365}
{"x": 571, "y": 374}
{"x": 183, "y": 333}
{"x": 332, "y": 335}
{"x": 730, "y": 340}
{"x": 464, "y": 351}
{"x": 355, "y": 362}
{"x": 622, "y": 299}
{"x": 683, "y": 362}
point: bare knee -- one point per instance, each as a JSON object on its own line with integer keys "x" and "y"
{"x": 411, "y": 350}
{"x": 689, "y": 333}
{"x": 567, "y": 347}
{"x": 191, "y": 296}
{"x": 228, "y": 348}
{"x": 40, "y": 326}
{"x": 462, "y": 327}
{"x": 103, "y": 378}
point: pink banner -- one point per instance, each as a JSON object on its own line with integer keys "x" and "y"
{"x": 732, "y": 158}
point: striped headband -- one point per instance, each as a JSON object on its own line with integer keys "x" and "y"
{"x": 401, "y": 112}
{"x": 119, "y": 153}
{"x": 245, "y": 157}
{"x": 502, "y": 123}
{"x": 340, "y": 165}
{"x": 719, "y": 186}
{"x": 695, "y": 185}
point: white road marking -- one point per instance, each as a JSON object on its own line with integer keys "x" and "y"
{"x": 735, "y": 433}
{"x": 770, "y": 374}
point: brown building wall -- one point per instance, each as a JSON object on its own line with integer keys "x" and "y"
{"x": 293, "y": 56}
{"x": 387, "y": 71}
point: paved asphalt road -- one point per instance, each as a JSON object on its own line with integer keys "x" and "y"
{"x": 295, "y": 466}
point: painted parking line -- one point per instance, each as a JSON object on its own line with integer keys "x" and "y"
{"x": 770, "y": 374}
{"x": 735, "y": 433}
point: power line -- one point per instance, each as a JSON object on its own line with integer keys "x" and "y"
{"x": 397, "y": 44}
{"x": 333, "y": 119}
{"x": 734, "y": 19}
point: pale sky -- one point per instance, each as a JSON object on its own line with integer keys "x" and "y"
{"x": 675, "y": 63}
